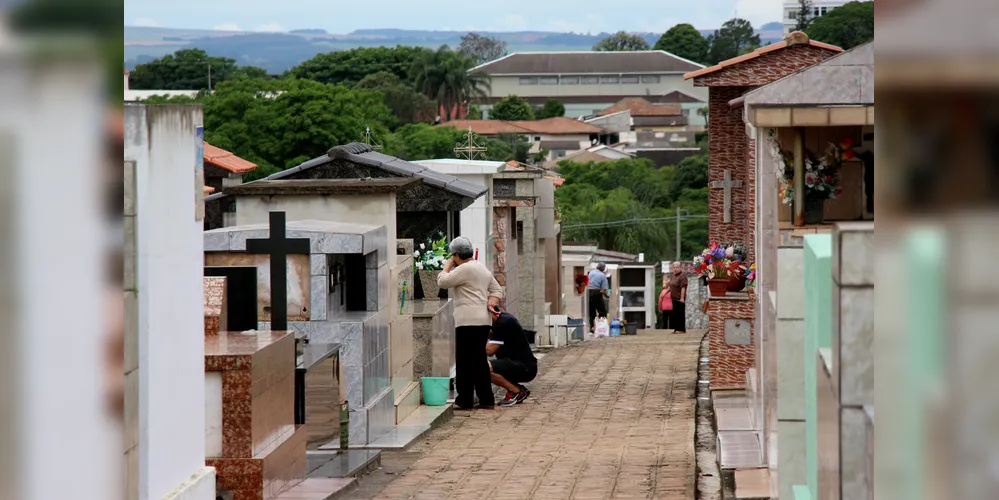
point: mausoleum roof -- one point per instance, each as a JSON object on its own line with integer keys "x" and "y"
{"x": 363, "y": 154}
{"x": 842, "y": 80}
{"x": 326, "y": 186}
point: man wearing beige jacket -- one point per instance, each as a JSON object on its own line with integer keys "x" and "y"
{"x": 476, "y": 295}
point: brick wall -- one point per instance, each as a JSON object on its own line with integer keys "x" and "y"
{"x": 728, "y": 151}
{"x": 728, "y": 363}
{"x": 766, "y": 68}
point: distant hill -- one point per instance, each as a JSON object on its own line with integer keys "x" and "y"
{"x": 277, "y": 52}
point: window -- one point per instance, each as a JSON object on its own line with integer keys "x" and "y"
{"x": 537, "y": 138}
{"x": 549, "y": 80}
{"x": 570, "y": 80}
{"x": 629, "y": 79}
{"x": 792, "y": 14}
{"x": 589, "y": 80}
{"x": 608, "y": 79}
{"x": 650, "y": 78}
{"x": 824, "y": 10}
{"x": 816, "y": 12}
{"x": 528, "y": 80}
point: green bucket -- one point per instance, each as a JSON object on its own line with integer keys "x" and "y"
{"x": 435, "y": 390}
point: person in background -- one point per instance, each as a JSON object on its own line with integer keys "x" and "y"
{"x": 597, "y": 292}
{"x": 515, "y": 363}
{"x": 476, "y": 295}
{"x": 664, "y": 299}
{"x": 678, "y": 293}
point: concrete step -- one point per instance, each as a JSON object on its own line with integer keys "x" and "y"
{"x": 337, "y": 464}
{"x": 416, "y": 425}
{"x": 318, "y": 489}
{"x": 407, "y": 401}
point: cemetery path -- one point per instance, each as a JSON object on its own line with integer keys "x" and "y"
{"x": 607, "y": 419}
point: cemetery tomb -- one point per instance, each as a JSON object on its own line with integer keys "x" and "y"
{"x": 337, "y": 293}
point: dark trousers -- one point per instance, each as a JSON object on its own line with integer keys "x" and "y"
{"x": 597, "y": 305}
{"x": 677, "y": 318}
{"x": 471, "y": 366}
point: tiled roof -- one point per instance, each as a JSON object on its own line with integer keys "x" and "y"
{"x": 547, "y": 126}
{"x": 561, "y": 145}
{"x": 583, "y": 63}
{"x": 640, "y": 107}
{"x": 795, "y": 38}
{"x": 208, "y": 189}
{"x": 558, "y": 181}
{"x": 226, "y": 160}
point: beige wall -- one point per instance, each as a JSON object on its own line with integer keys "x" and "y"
{"x": 374, "y": 209}
{"x": 503, "y": 86}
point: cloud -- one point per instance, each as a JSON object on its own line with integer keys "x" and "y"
{"x": 226, "y": 27}
{"x": 146, "y": 22}
{"x": 270, "y": 28}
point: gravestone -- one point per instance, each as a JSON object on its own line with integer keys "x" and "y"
{"x": 738, "y": 331}
{"x": 277, "y": 246}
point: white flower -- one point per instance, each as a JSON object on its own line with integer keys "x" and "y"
{"x": 419, "y": 265}
{"x": 416, "y": 254}
{"x": 422, "y": 246}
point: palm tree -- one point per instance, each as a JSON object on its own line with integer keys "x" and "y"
{"x": 444, "y": 77}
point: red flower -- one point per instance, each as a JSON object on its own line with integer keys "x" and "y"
{"x": 838, "y": 191}
{"x": 828, "y": 178}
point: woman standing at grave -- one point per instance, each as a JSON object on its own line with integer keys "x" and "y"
{"x": 678, "y": 293}
{"x": 476, "y": 293}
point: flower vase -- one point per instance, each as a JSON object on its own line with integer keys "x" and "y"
{"x": 431, "y": 290}
{"x": 814, "y": 208}
{"x": 718, "y": 286}
{"x": 737, "y": 281}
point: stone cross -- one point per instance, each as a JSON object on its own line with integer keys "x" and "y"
{"x": 727, "y": 185}
{"x": 278, "y": 247}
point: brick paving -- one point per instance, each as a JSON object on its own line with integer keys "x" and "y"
{"x": 607, "y": 419}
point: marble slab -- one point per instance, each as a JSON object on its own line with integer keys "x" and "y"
{"x": 216, "y": 306}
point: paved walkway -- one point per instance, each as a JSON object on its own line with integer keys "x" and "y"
{"x": 607, "y": 419}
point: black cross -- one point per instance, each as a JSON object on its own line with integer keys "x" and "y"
{"x": 278, "y": 248}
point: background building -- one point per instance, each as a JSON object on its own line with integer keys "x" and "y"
{"x": 588, "y": 82}
{"x": 819, "y": 9}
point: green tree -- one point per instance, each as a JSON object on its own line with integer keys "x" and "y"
{"x": 351, "y": 66}
{"x": 685, "y": 41}
{"x": 512, "y": 108}
{"x": 189, "y": 69}
{"x": 279, "y": 124}
{"x": 482, "y": 48}
{"x": 444, "y": 77}
{"x": 735, "y": 37}
{"x": 804, "y": 17}
{"x": 474, "y": 113}
{"x": 621, "y": 41}
{"x": 408, "y": 105}
{"x": 846, "y": 26}
{"x": 552, "y": 109}
{"x": 421, "y": 141}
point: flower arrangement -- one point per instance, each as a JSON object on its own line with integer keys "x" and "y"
{"x": 720, "y": 262}
{"x": 751, "y": 276}
{"x": 821, "y": 172}
{"x": 582, "y": 281}
{"x": 431, "y": 255}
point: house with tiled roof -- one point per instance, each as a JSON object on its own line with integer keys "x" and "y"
{"x": 559, "y": 136}
{"x": 648, "y": 116}
{"x": 222, "y": 169}
{"x": 587, "y": 82}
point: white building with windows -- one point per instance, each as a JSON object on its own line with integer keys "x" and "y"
{"x": 587, "y": 82}
{"x": 819, "y": 9}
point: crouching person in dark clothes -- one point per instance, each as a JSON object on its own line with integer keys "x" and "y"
{"x": 515, "y": 364}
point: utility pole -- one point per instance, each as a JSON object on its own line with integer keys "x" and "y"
{"x": 678, "y": 250}
{"x": 209, "y": 76}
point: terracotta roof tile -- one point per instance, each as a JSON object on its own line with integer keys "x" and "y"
{"x": 208, "y": 189}
{"x": 558, "y": 181}
{"x": 547, "y": 126}
{"x": 640, "y": 107}
{"x": 226, "y": 160}
{"x": 795, "y": 38}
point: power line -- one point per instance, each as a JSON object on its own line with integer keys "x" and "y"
{"x": 628, "y": 222}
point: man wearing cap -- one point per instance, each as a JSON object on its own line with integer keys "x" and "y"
{"x": 597, "y": 290}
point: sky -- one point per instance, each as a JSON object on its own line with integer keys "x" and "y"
{"x": 341, "y": 16}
